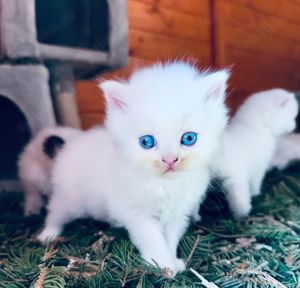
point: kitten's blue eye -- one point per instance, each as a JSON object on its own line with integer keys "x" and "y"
{"x": 189, "y": 138}
{"x": 147, "y": 141}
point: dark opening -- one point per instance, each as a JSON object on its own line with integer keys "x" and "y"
{"x": 73, "y": 23}
{"x": 15, "y": 133}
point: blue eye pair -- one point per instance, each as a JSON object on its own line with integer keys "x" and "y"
{"x": 187, "y": 139}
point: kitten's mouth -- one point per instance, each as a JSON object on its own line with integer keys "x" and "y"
{"x": 170, "y": 169}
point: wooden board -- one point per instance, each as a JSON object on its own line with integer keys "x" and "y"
{"x": 193, "y": 7}
{"x": 255, "y": 63}
{"x": 89, "y": 120}
{"x": 244, "y": 40}
{"x": 89, "y": 98}
{"x": 144, "y": 17}
{"x": 279, "y": 8}
{"x": 243, "y": 16}
{"x": 152, "y": 46}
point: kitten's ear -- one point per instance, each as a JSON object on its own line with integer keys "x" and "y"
{"x": 114, "y": 94}
{"x": 284, "y": 103}
{"x": 216, "y": 84}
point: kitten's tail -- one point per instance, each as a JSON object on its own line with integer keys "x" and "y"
{"x": 52, "y": 145}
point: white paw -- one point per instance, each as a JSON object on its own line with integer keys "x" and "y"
{"x": 255, "y": 192}
{"x": 180, "y": 265}
{"x": 164, "y": 265}
{"x": 196, "y": 218}
{"x": 48, "y": 235}
{"x": 242, "y": 211}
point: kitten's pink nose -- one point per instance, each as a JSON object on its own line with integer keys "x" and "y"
{"x": 169, "y": 159}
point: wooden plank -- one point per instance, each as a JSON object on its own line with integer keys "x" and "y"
{"x": 89, "y": 97}
{"x": 296, "y": 2}
{"x": 157, "y": 47}
{"x": 218, "y": 40}
{"x": 235, "y": 99}
{"x": 244, "y": 40}
{"x": 89, "y": 120}
{"x": 278, "y": 8}
{"x": 244, "y": 16}
{"x": 143, "y": 17}
{"x": 193, "y": 7}
{"x": 252, "y": 62}
{"x": 256, "y": 82}
{"x": 124, "y": 73}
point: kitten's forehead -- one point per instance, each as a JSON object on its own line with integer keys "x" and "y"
{"x": 166, "y": 84}
{"x": 167, "y": 98}
{"x": 168, "y": 123}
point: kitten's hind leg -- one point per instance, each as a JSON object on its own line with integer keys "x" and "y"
{"x": 239, "y": 196}
{"x": 33, "y": 201}
{"x": 196, "y": 217}
{"x": 55, "y": 222}
{"x": 256, "y": 184}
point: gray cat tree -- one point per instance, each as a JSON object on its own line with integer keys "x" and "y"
{"x": 45, "y": 45}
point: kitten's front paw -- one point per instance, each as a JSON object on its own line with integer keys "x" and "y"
{"x": 165, "y": 266}
{"x": 255, "y": 192}
{"x": 180, "y": 265}
{"x": 48, "y": 235}
{"x": 196, "y": 218}
{"x": 242, "y": 211}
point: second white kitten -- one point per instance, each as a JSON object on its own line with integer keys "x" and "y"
{"x": 249, "y": 143}
{"x": 287, "y": 150}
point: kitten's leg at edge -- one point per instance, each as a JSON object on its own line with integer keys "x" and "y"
{"x": 256, "y": 184}
{"x": 148, "y": 237}
{"x": 54, "y": 225}
{"x": 196, "y": 217}
{"x": 33, "y": 200}
{"x": 239, "y": 197}
{"x": 173, "y": 233}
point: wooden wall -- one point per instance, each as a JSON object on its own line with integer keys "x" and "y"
{"x": 259, "y": 39}
{"x": 158, "y": 30}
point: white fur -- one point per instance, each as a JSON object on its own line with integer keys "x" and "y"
{"x": 105, "y": 174}
{"x": 287, "y": 150}
{"x": 249, "y": 143}
{"x": 35, "y": 168}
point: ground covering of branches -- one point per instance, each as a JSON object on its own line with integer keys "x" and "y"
{"x": 260, "y": 251}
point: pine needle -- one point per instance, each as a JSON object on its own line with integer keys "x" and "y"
{"x": 204, "y": 282}
{"x": 261, "y": 251}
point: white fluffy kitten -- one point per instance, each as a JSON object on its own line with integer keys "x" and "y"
{"x": 249, "y": 143}
{"x": 35, "y": 165}
{"x": 287, "y": 150}
{"x": 145, "y": 171}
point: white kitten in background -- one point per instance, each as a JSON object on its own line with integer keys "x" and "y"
{"x": 35, "y": 165}
{"x": 249, "y": 143}
{"x": 287, "y": 150}
{"x": 146, "y": 170}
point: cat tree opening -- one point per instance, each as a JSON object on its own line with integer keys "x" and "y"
{"x": 15, "y": 133}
